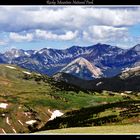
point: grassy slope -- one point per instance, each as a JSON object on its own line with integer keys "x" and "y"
{"x": 116, "y": 129}
{"x": 124, "y": 112}
{"x": 26, "y": 93}
{"x": 19, "y": 90}
{"x": 19, "y": 94}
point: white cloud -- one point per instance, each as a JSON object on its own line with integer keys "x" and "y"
{"x": 41, "y": 35}
{"x": 105, "y": 33}
{"x": 69, "y": 35}
{"x": 115, "y": 17}
{"x": 78, "y": 17}
{"x": 19, "y": 38}
{"x": 94, "y": 24}
{"x": 67, "y": 18}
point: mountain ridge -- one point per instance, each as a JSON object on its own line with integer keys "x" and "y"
{"x": 111, "y": 59}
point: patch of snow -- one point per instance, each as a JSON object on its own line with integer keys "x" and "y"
{"x": 26, "y": 72}
{"x": 3, "y": 131}
{"x": 59, "y": 56}
{"x": 128, "y": 92}
{"x": 40, "y": 52}
{"x": 99, "y": 83}
{"x": 3, "y": 105}
{"x": 19, "y": 107}
{"x": 14, "y": 130}
{"x": 16, "y": 55}
{"x": 10, "y": 67}
{"x": 123, "y": 94}
{"x": 107, "y": 55}
{"x": 126, "y": 69}
{"x": 35, "y": 52}
{"x": 55, "y": 114}
{"x": 3, "y": 114}
{"x": 20, "y": 122}
{"x": 38, "y": 74}
{"x": 27, "y": 54}
{"x": 28, "y": 114}
{"x": 30, "y": 122}
{"x": 77, "y": 70}
{"x": 7, "y": 121}
{"x": 68, "y": 55}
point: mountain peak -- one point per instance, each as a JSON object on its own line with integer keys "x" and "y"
{"x": 12, "y": 53}
{"x": 80, "y": 60}
{"x": 73, "y": 48}
{"x": 82, "y": 68}
{"x": 136, "y": 48}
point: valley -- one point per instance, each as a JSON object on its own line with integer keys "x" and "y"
{"x": 30, "y": 102}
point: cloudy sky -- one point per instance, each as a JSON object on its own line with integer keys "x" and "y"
{"x": 36, "y": 27}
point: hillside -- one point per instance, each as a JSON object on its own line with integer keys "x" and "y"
{"x": 19, "y": 90}
{"x": 127, "y": 80}
{"x": 118, "y": 113}
{"x": 29, "y": 100}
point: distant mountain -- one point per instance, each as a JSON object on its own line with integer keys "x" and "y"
{"x": 111, "y": 59}
{"x": 136, "y": 49}
{"x": 130, "y": 72}
{"x": 82, "y": 68}
{"x": 15, "y": 53}
{"x": 127, "y": 80}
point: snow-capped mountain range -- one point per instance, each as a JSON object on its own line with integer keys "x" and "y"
{"x": 109, "y": 59}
